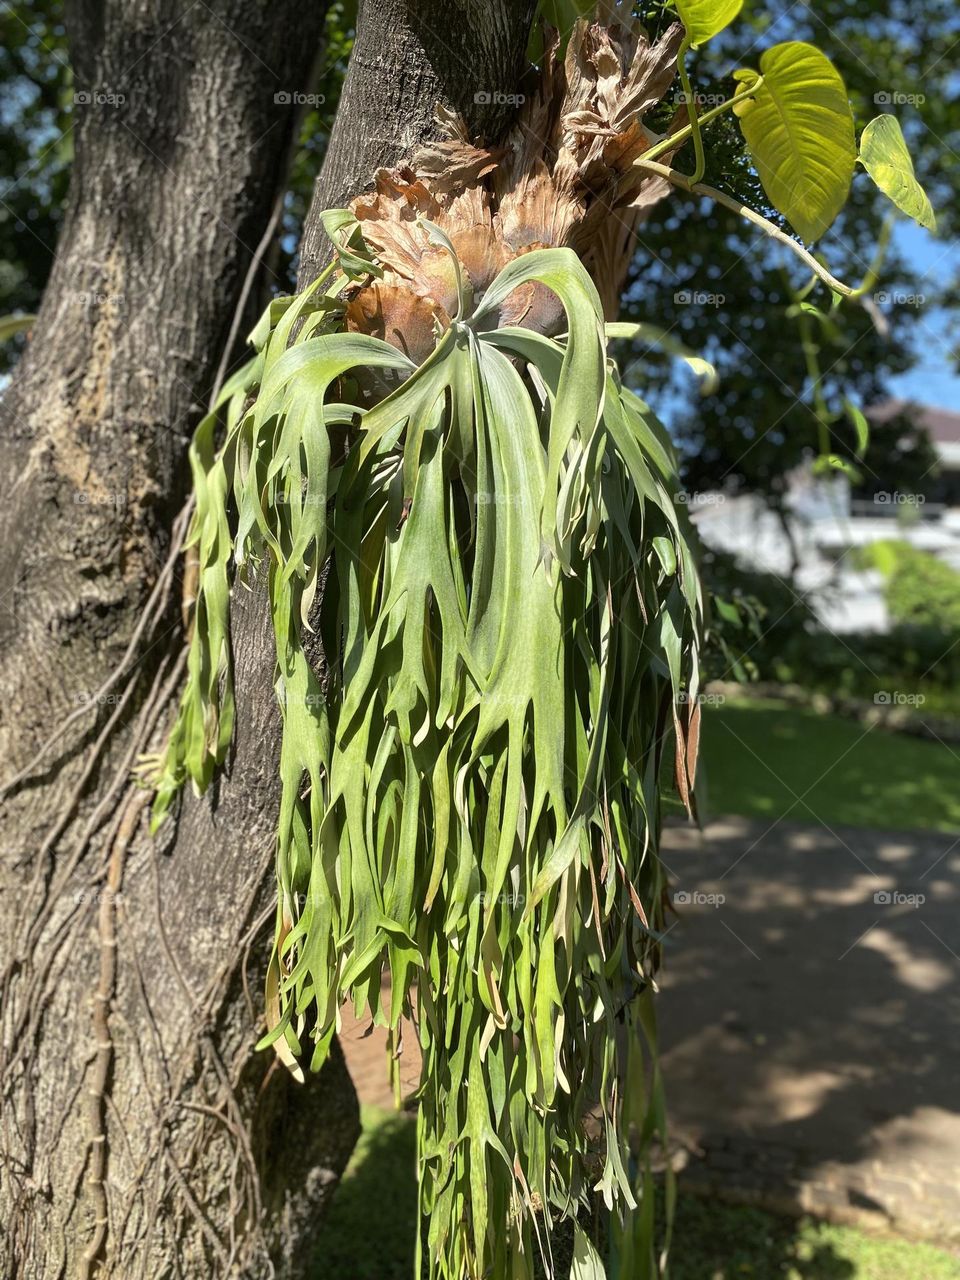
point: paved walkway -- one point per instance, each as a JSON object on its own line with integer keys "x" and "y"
{"x": 810, "y": 1019}
{"x": 810, "y": 1022}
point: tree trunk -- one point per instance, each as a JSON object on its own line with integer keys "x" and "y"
{"x": 141, "y": 1136}
{"x": 126, "y": 1145}
{"x": 410, "y": 57}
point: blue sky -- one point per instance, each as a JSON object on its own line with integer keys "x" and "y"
{"x": 934, "y": 380}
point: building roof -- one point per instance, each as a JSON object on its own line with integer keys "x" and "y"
{"x": 942, "y": 425}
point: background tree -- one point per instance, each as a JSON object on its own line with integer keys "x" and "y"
{"x": 722, "y": 297}
{"x": 35, "y": 152}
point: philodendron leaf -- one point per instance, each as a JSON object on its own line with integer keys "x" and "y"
{"x": 884, "y": 155}
{"x": 10, "y": 326}
{"x": 703, "y": 19}
{"x": 799, "y": 128}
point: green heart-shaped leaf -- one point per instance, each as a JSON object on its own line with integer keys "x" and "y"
{"x": 884, "y": 155}
{"x": 799, "y": 128}
{"x": 703, "y": 19}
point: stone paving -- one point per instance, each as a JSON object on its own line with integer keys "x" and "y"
{"x": 810, "y": 1022}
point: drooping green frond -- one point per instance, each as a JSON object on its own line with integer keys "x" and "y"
{"x": 470, "y": 785}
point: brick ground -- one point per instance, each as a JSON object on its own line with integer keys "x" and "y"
{"x": 365, "y": 1049}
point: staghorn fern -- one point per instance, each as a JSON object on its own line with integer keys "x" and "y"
{"x": 470, "y": 793}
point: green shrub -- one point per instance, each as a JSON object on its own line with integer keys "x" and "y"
{"x": 920, "y": 590}
{"x": 767, "y": 632}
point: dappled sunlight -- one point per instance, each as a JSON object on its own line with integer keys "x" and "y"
{"x": 921, "y": 973}
{"x": 819, "y": 996}
{"x": 797, "y": 1097}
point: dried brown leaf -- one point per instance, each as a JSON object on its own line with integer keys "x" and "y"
{"x": 398, "y": 316}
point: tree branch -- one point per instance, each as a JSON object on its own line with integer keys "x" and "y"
{"x": 744, "y": 210}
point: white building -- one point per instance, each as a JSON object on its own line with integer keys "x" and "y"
{"x": 826, "y": 523}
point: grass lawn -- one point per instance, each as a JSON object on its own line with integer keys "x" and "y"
{"x": 768, "y": 760}
{"x": 713, "y": 1241}
{"x": 368, "y": 1232}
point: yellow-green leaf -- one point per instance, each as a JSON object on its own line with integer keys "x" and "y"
{"x": 799, "y": 128}
{"x": 703, "y": 19}
{"x": 860, "y": 425}
{"x": 884, "y": 155}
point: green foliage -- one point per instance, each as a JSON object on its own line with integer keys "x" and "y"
{"x": 758, "y": 621}
{"x": 701, "y": 274}
{"x": 798, "y": 125}
{"x": 763, "y": 630}
{"x": 704, "y": 19}
{"x": 470, "y": 800}
{"x": 35, "y": 151}
{"x": 920, "y": 590}
{"x": 310, "y": 151}
{"x": 884, "y": 155}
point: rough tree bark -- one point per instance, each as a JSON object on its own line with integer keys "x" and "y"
{"x": 180, "y": 157}
{"x": 409, "y": 57}
{"x": 140, "y": 1136}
